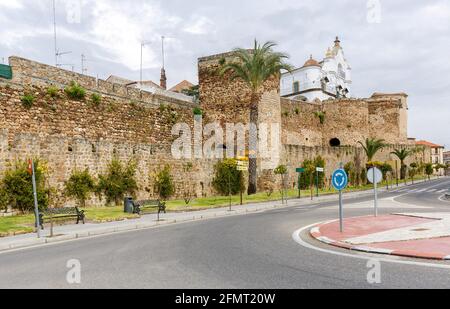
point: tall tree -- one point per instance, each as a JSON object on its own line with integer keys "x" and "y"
{"x": 254, "y": 67}
{"x": 402, "y": 155}
{"x": 372, "y": 146}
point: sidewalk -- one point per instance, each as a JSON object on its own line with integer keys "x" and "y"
{"x": 72, "y": 232}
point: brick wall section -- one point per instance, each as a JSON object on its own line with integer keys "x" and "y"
{"x": 71, "y": 134}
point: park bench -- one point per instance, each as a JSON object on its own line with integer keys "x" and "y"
{"x": 141, "y": 207}
{"x": 61, "y": 213}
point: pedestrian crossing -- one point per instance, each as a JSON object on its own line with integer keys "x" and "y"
{"x": 406, "y": 190}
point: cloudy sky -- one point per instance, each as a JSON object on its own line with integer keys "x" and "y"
{"x": 401, "y": 45}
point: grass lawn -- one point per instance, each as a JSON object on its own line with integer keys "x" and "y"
{"x": 16, "y": 225}
{"x": 25, "y": 223}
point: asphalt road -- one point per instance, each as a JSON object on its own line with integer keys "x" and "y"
{"x": 249, "y": 251}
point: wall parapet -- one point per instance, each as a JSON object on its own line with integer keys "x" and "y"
{"x": 30, "y": 72}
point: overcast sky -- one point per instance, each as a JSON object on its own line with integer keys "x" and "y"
{"x": 404, "y": 48}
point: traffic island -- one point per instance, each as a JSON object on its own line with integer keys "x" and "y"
{"x": 425, "y": 235}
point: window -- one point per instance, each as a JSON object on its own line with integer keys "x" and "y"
{"x": 296, "y": 87}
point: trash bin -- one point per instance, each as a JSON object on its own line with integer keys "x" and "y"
{"x": 128, "y": 205}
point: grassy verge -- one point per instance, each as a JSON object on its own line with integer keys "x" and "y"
{"x": 24, "y": 223}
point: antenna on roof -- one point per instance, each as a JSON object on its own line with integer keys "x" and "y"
{"x": 57, "y": 52}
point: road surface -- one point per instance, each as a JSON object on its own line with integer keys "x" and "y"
{"x": 249, "y": 251}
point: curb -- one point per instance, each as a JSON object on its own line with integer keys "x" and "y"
{"x": 317, "y": 235}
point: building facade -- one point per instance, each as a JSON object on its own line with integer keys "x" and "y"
{"x": 437, "y": 154}
{"x": 330, "y": 78}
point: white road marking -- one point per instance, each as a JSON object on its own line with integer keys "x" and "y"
{"x": 301, "y": 242}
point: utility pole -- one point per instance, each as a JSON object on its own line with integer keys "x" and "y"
{"x": 54, "y": 32}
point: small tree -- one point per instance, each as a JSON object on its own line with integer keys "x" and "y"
{"x": 413, "y": 171}
{"x": 282, "y": 171}
{"x": 80, "y": 186}
{"x": 119, "y": 180}
{"x": 18, "y": 188}
{"x": 227, "y": 179}
{"x": 402, "y": 155}
{"x": 429, "y": 170}
{"x": 164, "y": 184}
{"x": 188, "y": 188}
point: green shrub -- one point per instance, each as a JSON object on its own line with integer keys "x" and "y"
{"x": 351, "y": 171}
{"x": 53, "y": 91}
{"x": 96, "y": 99}
{"x": 321, "y": 116}
{"x": 164, "y": 184}
{"x": 429, "y": 170}
{"x": 75, "y": 91}
{"x": 227, "y": 178}
{"x": 308, "y": 178}
{"x": 80, "y": 186}
{"x": 281, "y": 170}
{"x": 118, "y": 181}
{"x": 198, "y": 111}
{"x": 18, "y": 188}
{"x": 27, "y": 100}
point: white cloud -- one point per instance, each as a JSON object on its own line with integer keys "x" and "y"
{"x": 199, "y": 25}
{"x": 11, "y": 4}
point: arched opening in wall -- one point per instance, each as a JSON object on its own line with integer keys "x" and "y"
{"x": 335, "y": 142}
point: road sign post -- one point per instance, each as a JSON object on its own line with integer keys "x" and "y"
{"x": 300, "y": 170}
{"x": 36, "y": 207}
{"x": 340, "y": 182}
{"x": 318, "y": 170}
{"x": 375, "y": 176}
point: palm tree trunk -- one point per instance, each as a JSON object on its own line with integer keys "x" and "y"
{"x": 253, "y": 147}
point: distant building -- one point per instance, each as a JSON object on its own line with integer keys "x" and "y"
{"x": 150, "y": 86}
{"x": 437, "y": 154}
{"x": 184, "y": 85}
{"x": 330, "y": 78}
{"x": 447, "y": 162}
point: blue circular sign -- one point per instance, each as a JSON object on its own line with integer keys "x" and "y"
{"x": 340, "y": 179}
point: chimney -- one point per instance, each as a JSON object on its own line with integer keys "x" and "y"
{"x": 163, "y": 80}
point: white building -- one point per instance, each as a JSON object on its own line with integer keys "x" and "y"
{"x": 329, "y": 79}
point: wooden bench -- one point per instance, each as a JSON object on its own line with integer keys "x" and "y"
{"x": 61, "y": 213}
{"x": 141, "y": 207}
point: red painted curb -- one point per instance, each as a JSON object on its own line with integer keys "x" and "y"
{"x": 316, "y": 233}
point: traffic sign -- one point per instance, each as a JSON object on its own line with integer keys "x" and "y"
{"x": 340, "y": 179}
{"x": 320, "y": 169}
{"x": 242, "y": 168}
{"x": 300, "y": 170}
{"x": 374, "y": 175}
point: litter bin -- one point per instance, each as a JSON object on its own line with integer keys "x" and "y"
{"x": 128, "y": 205}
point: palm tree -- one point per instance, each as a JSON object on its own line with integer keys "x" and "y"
{"x": 402, "y": 155}
{"x": 372, "y": 146}
{"x": 255, "y": 67}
